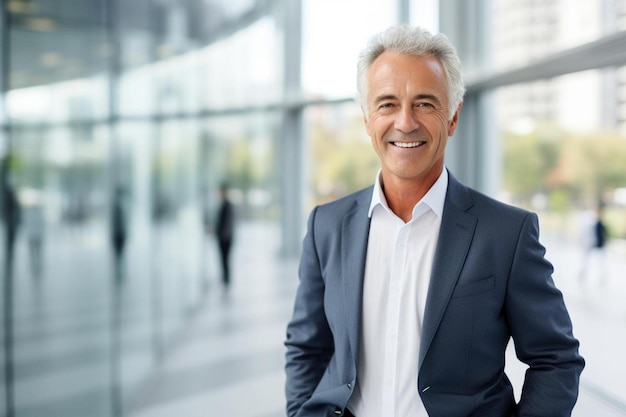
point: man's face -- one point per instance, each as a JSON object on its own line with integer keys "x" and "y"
{"x": 407, "y": 117}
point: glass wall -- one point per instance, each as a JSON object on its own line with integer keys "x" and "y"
{"x": 341, "y": 158}
{"x": 560, "y": 156}
{"x": 123, "y": 120}
{"x": 562, "y": 137}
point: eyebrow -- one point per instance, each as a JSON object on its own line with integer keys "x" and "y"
{"x": 423, "y": 96}
{"x": 384, "y": 97}
{"x": 430, "y": 97}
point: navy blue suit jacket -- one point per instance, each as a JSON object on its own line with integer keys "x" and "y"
{"x": 490, "y": 282}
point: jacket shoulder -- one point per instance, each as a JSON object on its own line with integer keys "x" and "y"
{"x": 343, "y": 205}
{"x": 483, "y": 201}
{"x": 468, "y": 198}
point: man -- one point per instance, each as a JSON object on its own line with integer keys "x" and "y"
{"x": 411, "y": 289}
{"x": 595, "y": 249}
{"x": 224, "y": 229}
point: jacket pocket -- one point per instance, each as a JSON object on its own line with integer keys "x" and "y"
{"x": 474, "y": 287}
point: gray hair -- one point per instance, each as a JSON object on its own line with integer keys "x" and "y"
{"x": 417, "y": 42}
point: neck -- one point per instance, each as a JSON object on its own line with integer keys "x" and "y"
{"x": 402, "y": 195}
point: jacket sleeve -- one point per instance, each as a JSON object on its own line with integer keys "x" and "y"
{"x": 309, "y": 339}
{"x": 542, "y": 331}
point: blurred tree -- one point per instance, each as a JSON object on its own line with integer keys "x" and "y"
{"x": 568, "y": 169}
{"x": 343, "y": 160}
{"x": 601, "y": 163}
{"x": 527, "y": 162}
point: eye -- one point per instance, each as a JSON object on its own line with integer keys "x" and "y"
{"x": 385, "y": 106}
{"x": 425, "y": 107}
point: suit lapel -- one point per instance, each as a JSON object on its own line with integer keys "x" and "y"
{"x": 354, "y": 236}
{"x": 455, "y": 237}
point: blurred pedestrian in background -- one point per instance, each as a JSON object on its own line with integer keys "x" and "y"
{"x": 12, "y": 213}
{"x": 594, "y": 258}
{"x": 224, "y": 229}
{"x": 119, "y": 228}
{"x": 34, "y": 227}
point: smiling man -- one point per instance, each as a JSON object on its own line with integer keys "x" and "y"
{"x": 411, "y": 289}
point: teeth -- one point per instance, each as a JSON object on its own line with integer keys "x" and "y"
{"x": 408, "y": 145}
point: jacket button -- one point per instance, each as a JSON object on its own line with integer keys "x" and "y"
{"x": 349, "y": 385}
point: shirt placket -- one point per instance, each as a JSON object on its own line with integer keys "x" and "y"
{"x": 394, "y": 306}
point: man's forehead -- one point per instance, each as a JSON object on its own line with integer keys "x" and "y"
{"x": 395, "y": 74}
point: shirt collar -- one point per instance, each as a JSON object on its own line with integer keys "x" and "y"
{"x": 434, "y": 198}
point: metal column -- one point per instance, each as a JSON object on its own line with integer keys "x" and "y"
{"x": 10, "y": 207}
{"x": 292, "y": 172}
{"x": 473, "y": 153}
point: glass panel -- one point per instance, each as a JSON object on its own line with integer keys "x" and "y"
{"x": 573, "y": 147}
{"x": 62, "y": 273}
{"x": 134, "y": 312}
{"x": 136, "y": 23}
{"x": 341, "y": 156}
{"x": 244, "y": 69}
{"x": 523, "y": 31}
{"x": 177, "y": 222}
{"x": 332, "y": 38}
{"x": 78, "y": 99}
{"x": 92, "y": 314}
{"x": 425, "y": 13}
{"x": 241, "y": 152}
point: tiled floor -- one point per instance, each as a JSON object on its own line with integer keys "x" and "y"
{"x": 229, "y": 361}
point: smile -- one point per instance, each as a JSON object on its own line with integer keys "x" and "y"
{"x": 408, "y": 144}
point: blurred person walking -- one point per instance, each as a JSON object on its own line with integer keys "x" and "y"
{"x": 224, "y": 229}
{"x": 119, "y": 229}
{"x": 594, "y": 258}
{"x": 411, "y": 289}
{"x": 34, "y": 226}
{"x": 12, "y": 213}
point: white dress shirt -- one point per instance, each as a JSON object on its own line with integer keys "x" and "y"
{"x": 397, "y": 273}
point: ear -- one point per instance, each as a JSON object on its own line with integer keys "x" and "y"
{"x": 366, "y": 122}
{"x": 452, "y": 124}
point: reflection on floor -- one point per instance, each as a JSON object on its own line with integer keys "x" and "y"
{"x": 229, "y": 361}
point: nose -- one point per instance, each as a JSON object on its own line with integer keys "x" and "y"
{"x": 406, "y": 120}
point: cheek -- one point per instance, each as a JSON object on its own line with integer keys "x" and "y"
{"x": 441, "y": 125}
{"x": 374, "y": 126}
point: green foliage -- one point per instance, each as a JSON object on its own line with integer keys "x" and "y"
{"x": 249, "y": 165}
{"x": 343, "y": 160}
{"x": 566, "y": 166}
{"x": 527, "y": 162}
{"x": 601, "y": 162}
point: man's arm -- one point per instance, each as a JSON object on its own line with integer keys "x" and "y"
{"x": 542, "y": 331}
{"x": 309, "y": 339}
